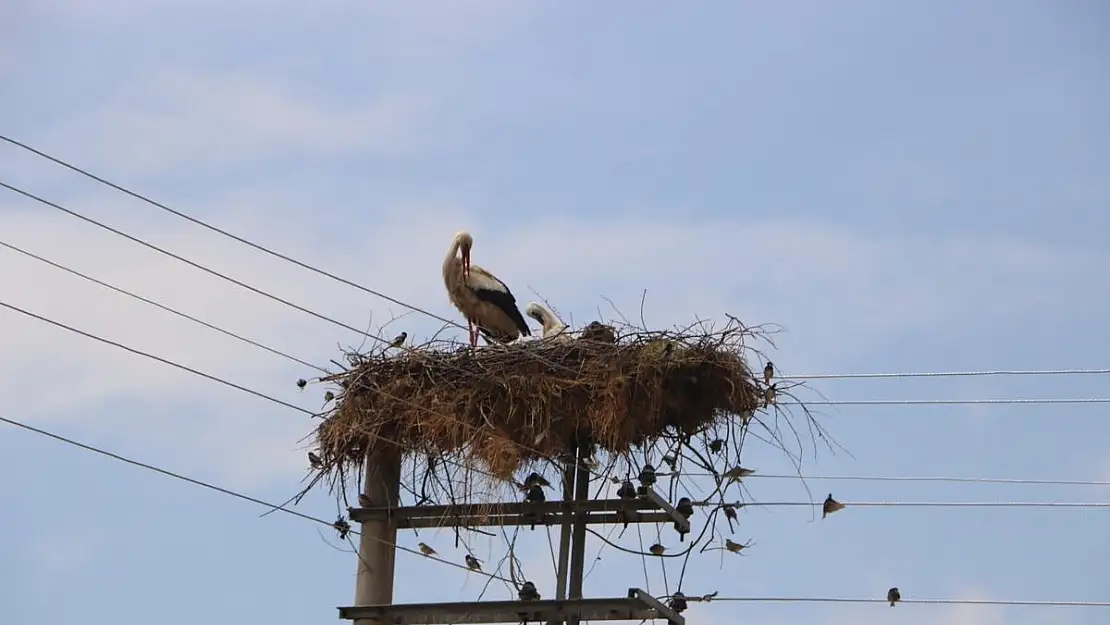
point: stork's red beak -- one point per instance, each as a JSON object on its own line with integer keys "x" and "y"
{"x": 466, "y": 264}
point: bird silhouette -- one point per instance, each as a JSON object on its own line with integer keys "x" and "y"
{"x": 893, "y": 596}
{"x": 301, "y": 383}
{"x": 426, "y": 550}
{"x": 399, "y": 340}
{"x": 534, "y": 479}
{"x": 716, "y": 445}
{"x": 528, "y": 592}
{"x": 315, "y": 460}
{"x": 472, "y": 563}
{"x": 831, "y": 505}
{"x": 730, "y": 512}
{"x": 657, "y": 549}
{"x": 768, "y": 372}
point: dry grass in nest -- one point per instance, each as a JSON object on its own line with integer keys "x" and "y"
{"x": 614, "y": 389}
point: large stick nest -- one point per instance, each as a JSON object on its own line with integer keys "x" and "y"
{"x": 611, "y": 389}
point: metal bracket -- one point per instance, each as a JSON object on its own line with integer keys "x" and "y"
{"x": 637, "y": 606}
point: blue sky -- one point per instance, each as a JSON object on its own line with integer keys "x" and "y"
{"x": 902, "y": 186}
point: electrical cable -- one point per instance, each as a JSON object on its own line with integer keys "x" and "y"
{"x": 220, "y": 489}
{"x": 880, "y": 478}
{"x": 999, "y": 602}
{"x": 163, "y": 307}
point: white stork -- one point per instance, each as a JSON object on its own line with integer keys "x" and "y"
{"x": 553, "y": 327}
{"x": 488, "y": 305}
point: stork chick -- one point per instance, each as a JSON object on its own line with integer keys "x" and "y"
{"x": 553, "y": 327}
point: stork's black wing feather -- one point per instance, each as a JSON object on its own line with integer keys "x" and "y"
{"x": 506, "y": 302}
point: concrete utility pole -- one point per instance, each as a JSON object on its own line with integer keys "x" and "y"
{"x": 380, "y": 522}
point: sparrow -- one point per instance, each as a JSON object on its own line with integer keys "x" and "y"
{"x": 730, "y": 511}
{"x": 769, "y": 395}
{"x": 534, "y": 479}
{"x": 716, "y": 444}
{"x": 315, "y": 461}
{"x": 738, "y": 473}
{"x": 328, "y": 396}
{"x": 364, "y": 501}
{"x": 399, "y": 340}
{"x": 426, "y": 550}
{"x": 342, "y": 526}
{"x": 657, "y": 549}
{"x": 734, "y": 547}
{"x": 893, "y": 596}
{"x": 627, "y": 490}
{"x": 528, "y": 592}
{"x": 831, "y": 505}
{"x": 768, "y": 372}
{"x": 472, "y": 563}
{"x": 301, "y": 383}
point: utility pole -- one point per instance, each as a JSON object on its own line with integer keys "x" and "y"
{"x": 574, "y": 513}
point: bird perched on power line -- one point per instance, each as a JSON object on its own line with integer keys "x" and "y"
{"x": 893, "y": 596}
{"x": 831, "y": 505}
{"x": 534, "y": 479}
{"x": 730, "y": 511}
{"x": 301, "y": 383}
{"x": 770, "y": 394}
{"x": 657, "y": 549}
{"x": 315, "y": 460}
{"x": 399, "y": 340}
{"x": 342, "y": 526}
{"x": 768, "y": 372}
{"x": 528, "y": 592}
{"x": 425, "y": 549}
{"x": 734, "y": 547}
{"x": 738, "y": 473}
{"x": 472, "y": 563}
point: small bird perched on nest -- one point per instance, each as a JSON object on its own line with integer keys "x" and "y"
{"x": 399, "y": 340}
{"x": 315, "y": 460}
{"x": 426, "y": 550}
{"x": 768, "y": 372}
{"x": 657, "y": 549}
{"x": 599, "y": 333}
{"x": 770, "y": 395}
{"x": 831, "y": 505}
{"x": 472, "y": 563}
{"x": 893, "y": 596}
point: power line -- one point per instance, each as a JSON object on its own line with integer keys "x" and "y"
{"x": 949, "y": 402}
{"x": 924, "y": 504}
{"x": 164, "y": 361}
{"x": 899, "y": 478}
{"x": 942, "y": 374}
{"x": 196, "y": 265}
{"x": 998, "y": 602}
{"x": 225, "y": 233}
{"x": 222, "y": 490}
{"x": 163, "y": 307}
